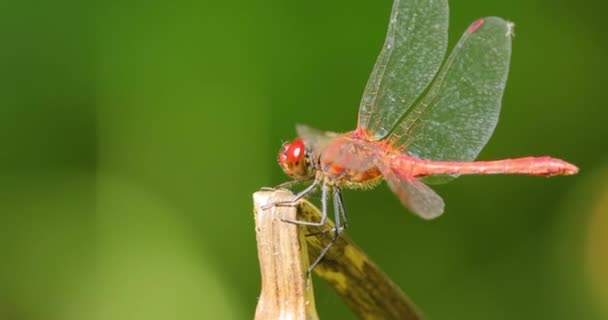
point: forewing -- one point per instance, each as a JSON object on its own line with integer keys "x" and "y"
{"x": 459, "y": 113}
{"x": 415, "y": 195}
{"x": 414, "y": 47}
{"x": 315, "y": 138}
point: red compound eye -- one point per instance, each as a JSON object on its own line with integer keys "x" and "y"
{"x": 295, "y": 151}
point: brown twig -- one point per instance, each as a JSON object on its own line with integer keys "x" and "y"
{"x": 368, "y": 292}
{"x": 283, "y": 262}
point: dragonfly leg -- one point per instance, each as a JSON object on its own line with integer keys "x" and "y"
{"x": 338, "y": 227}
{"x": 323, "y": 207}
{"x": 338, "y": 206}
{"x": 293, "y": 201}
{"x": 284, "y": 185}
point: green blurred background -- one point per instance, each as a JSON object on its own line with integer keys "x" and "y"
{"x": 133, "y": 135}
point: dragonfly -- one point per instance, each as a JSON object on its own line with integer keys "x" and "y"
{"x": 422, "y": 120}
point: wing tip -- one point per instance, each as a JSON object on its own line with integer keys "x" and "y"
{"x": 475, "y": 25}
{"x": 431, "y": 215}
{"x": 509, "y": 25}
{"x": 510, "y": 29}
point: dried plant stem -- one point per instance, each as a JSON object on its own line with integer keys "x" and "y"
{"x": 368, "y": 292}
{"x": 283, "y": 262}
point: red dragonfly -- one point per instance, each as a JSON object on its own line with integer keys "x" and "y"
{"x": 418, "y": 121}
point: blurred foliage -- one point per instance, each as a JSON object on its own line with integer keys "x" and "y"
{"x": 133, "y": 135}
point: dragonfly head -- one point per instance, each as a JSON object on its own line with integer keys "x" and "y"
{"x": 294, "y": 158}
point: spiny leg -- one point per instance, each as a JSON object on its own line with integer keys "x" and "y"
{"x": 338, "y": 204}
{"x": 338, "y": 212}
{"x": 342, "y": 208}
{"x": 284, "y": 185}
{"x": 323, "y": 208}
{"x": 293, "y": 201}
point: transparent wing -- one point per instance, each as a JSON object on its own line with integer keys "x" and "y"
{"x": 414, "y": 47}
{"x": 415, "y": 195}
{"x": 459, "y": 113}
{"x": 315, "y": 138}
